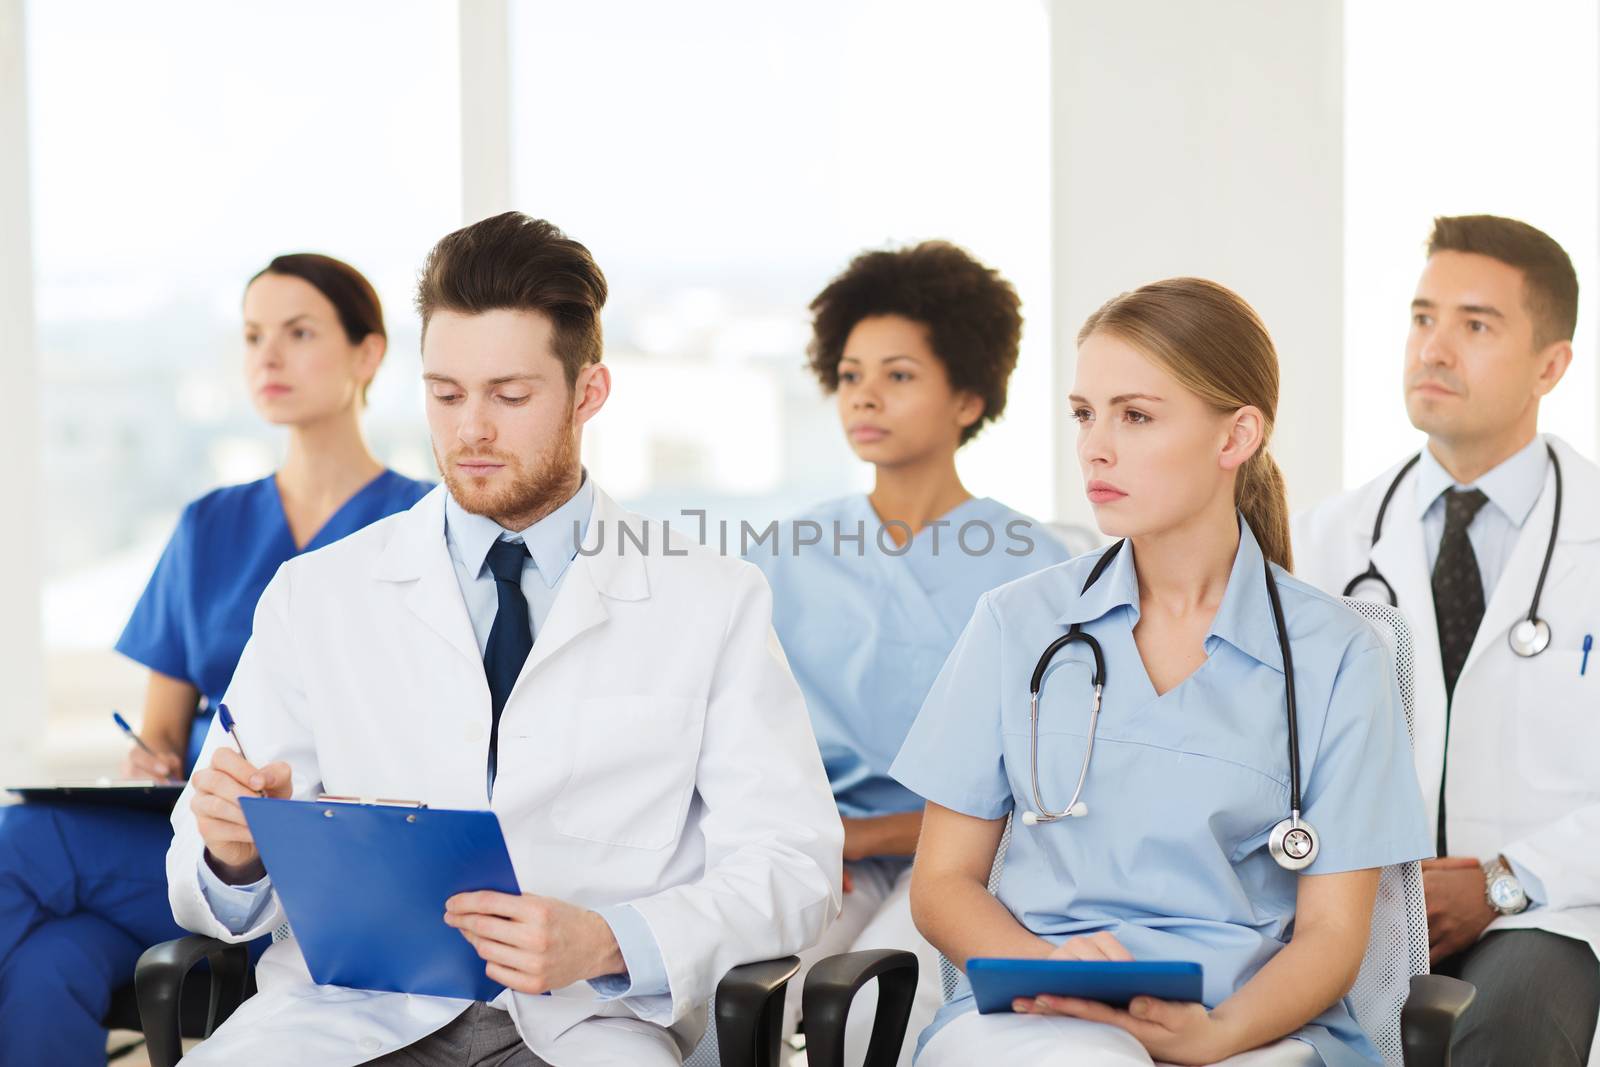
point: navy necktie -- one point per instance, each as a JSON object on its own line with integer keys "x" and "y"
{"x": 1457, "y": 608}
{"x": 510, "y": 638}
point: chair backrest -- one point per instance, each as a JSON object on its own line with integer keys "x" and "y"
{"x": 1397, "y": 947}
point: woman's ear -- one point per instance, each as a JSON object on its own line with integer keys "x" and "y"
{"x": 969, "y": 408}
{"x": 369, "y": 357}
{"x": 1247, "y": 432}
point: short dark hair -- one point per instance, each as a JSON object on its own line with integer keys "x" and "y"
{"x": 513, "y": 262}
{"x": 347, "y": 289}
{"x": 1549, "y": 284}
{"x": 972, "y": 315}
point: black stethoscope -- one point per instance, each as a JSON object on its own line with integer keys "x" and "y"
{"x": 1531, "y": 635}
{"x": 1293, "y": 843}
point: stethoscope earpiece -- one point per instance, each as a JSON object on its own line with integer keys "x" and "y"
{"x": 1075, "y": 811}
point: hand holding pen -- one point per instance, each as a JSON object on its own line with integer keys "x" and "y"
{"x": 215, "y": 803}
{"x": 144, "y": 761}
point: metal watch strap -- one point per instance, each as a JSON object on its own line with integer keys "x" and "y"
{"x": 1494, "y": 870}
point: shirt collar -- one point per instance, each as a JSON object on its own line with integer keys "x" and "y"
{"x": 1243, "y": 620}
{"x": 1513, "y": 486}
{"x": 553, "y": 541}
{"x": 1117, "y": 587}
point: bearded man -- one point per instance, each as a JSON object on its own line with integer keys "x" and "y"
{"x": 627, "y": 714}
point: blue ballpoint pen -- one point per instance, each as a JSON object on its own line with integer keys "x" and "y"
{"x": 231, "y": 728}
{"x": 1588, "y": 643}
{"x": 122, "y": 724}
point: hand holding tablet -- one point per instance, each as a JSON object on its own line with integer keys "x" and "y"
{"x": 996, "y": 983}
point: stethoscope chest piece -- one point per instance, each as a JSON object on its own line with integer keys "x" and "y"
{"x": 1529, "y": 637}
{"x": 1293, "y": 844}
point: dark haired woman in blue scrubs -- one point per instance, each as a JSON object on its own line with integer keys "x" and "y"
{"x": 83, "y": 890}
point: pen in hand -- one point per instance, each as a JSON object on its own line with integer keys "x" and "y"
{"x": 122, "y": 724}
{"x": 231, "y": 728}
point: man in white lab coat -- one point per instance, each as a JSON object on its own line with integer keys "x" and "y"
{"x": 1507, "y": 745}
{"x": 507, "y": 643}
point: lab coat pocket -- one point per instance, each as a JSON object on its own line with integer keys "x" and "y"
{"x": 1559, "y": 732}
{"x": 633, "y": 770}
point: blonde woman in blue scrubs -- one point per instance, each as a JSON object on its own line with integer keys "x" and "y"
{"x": 1175, "y": 395}
{"x": 870, "y": 591}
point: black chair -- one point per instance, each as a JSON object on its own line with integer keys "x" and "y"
{"x": 832, "y": 984}
{"x": 749, "y": 1001}
{"x": 194, "y": 1015}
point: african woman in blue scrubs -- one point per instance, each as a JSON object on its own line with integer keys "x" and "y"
{"x": 1175, "y": 395}
{"x": 83, "y": 890}
{"x": 870, "y": 591}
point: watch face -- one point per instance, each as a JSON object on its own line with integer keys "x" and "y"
{"x": 1506, "y": 894}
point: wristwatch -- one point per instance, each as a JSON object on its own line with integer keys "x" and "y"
{"x": 1503, "y": 890}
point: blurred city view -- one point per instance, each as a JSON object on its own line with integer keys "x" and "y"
{"x": 776, "y": 146}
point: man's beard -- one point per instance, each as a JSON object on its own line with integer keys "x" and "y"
{"x": 534, "y": 491}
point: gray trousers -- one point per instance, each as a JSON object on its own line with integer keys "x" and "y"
{"x": 481, "y": 1036}
{"x": 1538, "y": 996}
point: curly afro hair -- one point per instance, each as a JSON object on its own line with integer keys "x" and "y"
{"x": 972, "y": 315}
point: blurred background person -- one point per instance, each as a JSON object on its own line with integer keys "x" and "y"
{"x": 83, "y": 890}
{"x": 916, "y": 345}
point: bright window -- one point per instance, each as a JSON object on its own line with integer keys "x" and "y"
{"x": 175, "y": 150}
{"x": 723, "y": 160}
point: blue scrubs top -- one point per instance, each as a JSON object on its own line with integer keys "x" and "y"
{"x": 1184, "y": 787}
{"x": 866, "y": 626}
{"x": 195, "y": 615}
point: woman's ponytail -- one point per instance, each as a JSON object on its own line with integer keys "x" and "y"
{"x": 1263, "y": 498}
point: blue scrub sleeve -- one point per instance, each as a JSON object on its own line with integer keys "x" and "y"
{"x": 952, "y": 756}
{"x": 1361, "y": 792}
{"x": 154, "y": 635}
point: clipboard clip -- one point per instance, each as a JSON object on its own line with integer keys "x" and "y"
{"x": 370, "y": 802}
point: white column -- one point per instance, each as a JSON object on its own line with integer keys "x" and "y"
{"x": 22, "y": 709}
{"x": 1206, "y": 139}
{"x": 485, "y": 64}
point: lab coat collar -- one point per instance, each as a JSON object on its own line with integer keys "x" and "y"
{"x": 1243, "y": 620}
{"x": 417, "y": 549}
{"x": 1513, "y": 486}
{"x": 552, "y": 541}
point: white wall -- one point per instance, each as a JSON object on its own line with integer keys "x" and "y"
{"x": 21, "y": 659}
{"x": 1206, "y": 139}
{"x": 485, "y": 57}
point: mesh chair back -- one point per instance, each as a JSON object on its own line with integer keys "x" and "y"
{"x": 1397, "y": 947}
{"x": 705, "y": 1053}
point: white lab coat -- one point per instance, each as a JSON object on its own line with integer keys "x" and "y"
{"x": 1524, "y": 768}
{"x": 655, "y": 751}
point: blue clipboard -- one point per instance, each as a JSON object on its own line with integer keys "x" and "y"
{"x": 997, "y": 982}
{"x": 364, "y": 888}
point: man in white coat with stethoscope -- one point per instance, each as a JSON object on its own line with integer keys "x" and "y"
{"x": 1489, "y": 541}
{"x": 517, "y": 641}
